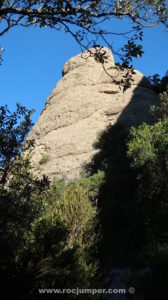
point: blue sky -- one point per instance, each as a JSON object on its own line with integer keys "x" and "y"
{"x": 34, "y": 58}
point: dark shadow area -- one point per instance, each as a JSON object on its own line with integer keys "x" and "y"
{"x": 123, "y": 233}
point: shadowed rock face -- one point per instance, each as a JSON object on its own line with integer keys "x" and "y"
{"x": 81, "y": 105}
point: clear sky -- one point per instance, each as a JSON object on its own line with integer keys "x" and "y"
{"x": 34, "y": 58}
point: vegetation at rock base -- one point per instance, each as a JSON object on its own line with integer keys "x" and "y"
{"x": 133, "y": 201}
{"x": 93, "y": 184}
{"x": 48, "y": 233}
{"x": 59, "y": 235}
{"x": 161, "y": 112}
{"x": 148, "y": 148}
{"x": 44, "y": 159}
{"x": 116, "y": 198}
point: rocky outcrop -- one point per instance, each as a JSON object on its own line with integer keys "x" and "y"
{"x": 81, "y": 105}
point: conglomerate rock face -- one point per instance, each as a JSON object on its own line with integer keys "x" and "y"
{"x": 83, "y": 103}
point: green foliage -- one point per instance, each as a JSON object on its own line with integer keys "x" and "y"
{"x": 47, "y": 233}
{"x": 56, "y": 190}
{"x": 133, "y": 202}
{"x": 20, "y": 194}
{"x": 49, "y": 238}
{"x": 149, "y": 144}
{"x": 14, "y": 128}
{"x": 63, "y": 242}
{"x": 93, "y": 184}
{"x": 161, "y": 111}
{"x": 44, "y": 159}
{"x": 148, "y": 149}
{"x": 159, "y": 84}
{"x": 76, "y": 212}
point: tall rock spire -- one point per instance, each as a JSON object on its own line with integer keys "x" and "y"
{"x": 83, "y": 103}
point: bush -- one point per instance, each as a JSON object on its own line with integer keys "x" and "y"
{"x": 148, "y": 149}
{"x": 44, "y": 159}
{"x": 63, "y": 248}
{"x": 93, "y": 184}
{"x": 47, "y": 233}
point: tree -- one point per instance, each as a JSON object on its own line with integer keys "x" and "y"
{"x": 159, "y": 84}
{"x": 148, "y": 149}
{"x": 161, "y": 112}
{"x": 12, "y": 136}
{"x": 60, "y": 250}
{"x": 45, "y": 231}
{"x": 84, "y": 20}
{"x": 20, "y": 193}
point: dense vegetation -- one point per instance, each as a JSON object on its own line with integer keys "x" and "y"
{"x": 60, "y": 235}
{"x": 48, "y": 232}
{"x": 133, "y": 200}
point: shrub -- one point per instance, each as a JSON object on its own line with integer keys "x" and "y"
{"x": 65, "y": 240}
{"x": 44, "y": 159}
{"x": 148, "y": 149}
{"x": 47, "y": 233}
{"x": 92, "y": 184}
